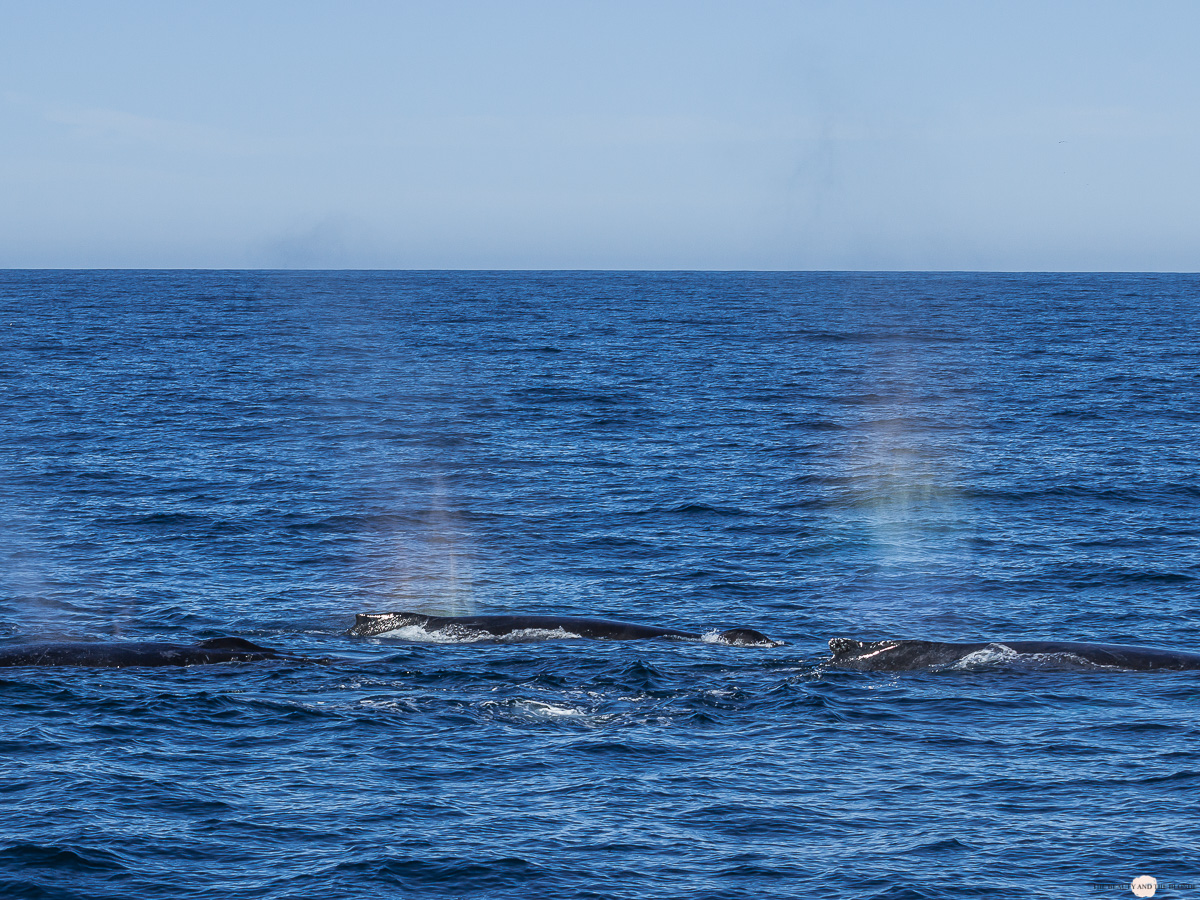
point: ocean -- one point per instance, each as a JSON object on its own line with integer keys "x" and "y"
{"x": 961, "y": 457}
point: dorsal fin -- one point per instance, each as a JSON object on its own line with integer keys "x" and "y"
{"x": 747, "y": 637}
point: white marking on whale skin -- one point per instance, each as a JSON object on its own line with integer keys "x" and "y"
{"x": 886, "y": 649}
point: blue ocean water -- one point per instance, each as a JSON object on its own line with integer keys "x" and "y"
{"x": 185, "y": 455}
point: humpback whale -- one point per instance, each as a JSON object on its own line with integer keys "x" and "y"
{"x": 482, "y": 627}
{"x": 93, "y": 654}
{"x": 908, "y": 656}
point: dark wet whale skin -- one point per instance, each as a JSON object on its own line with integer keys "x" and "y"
{"x": 99, "y": 655}
{"x": 906, "y": 656}
{"x": 368, "y": 624}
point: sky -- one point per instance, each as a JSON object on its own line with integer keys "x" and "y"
{"x": 451, "y": 134}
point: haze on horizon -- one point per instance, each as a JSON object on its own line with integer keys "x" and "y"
{"x": 601, "y": 135}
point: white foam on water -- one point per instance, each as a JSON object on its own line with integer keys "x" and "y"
{"x": 529, "y": 711}
{"x": 536, "y": 634}
{"x": 714, "y": 637}
{"x": 538, "y": 709}
{"x": 417, "y": 634}
{"x": 464, "y": 634}
{"x": 1002, "y": 654}
{"x": 390, "y": 705}
{"x": 991, "y": 655}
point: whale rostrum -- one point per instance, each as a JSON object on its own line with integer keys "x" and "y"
{"x": 536, "y": 627}
{"x": 908, "y": 656}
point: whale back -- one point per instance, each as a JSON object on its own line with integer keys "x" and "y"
{"x": 123, "y": 654}
{"x": 911, "y": 655}
{"x": 747, "y": 637}
{"x": 369, "y": 624}
{"x": 470, "y": 628}
{"x": 499, "y": 626}
{"x": 232, "y": 643}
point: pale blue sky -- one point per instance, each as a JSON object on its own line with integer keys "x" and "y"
{"x": 677, "y": 135}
